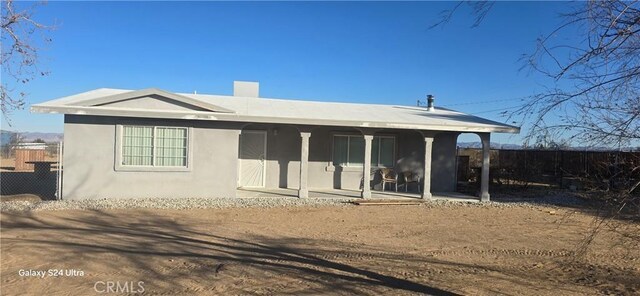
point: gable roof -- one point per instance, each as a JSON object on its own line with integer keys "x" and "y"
{"x": 97, "y": 101}
{"x": 265, "y": 110}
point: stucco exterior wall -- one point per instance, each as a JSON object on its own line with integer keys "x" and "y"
{"x": 90, "y": 171}
{"x": 89, "y": 161}
{"x": 443, "y": 170}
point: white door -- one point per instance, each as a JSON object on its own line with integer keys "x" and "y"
{"x": 253, "y": 153}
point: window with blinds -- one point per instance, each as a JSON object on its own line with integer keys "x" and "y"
{"x": 154, "y": 146}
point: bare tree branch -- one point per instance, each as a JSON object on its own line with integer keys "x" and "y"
{"x": 22, "y": 39}
{"x": 479, "y": 9}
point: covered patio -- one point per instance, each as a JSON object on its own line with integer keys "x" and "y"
{"x": 347, "y": 193}
{"x": 318, "y": 162}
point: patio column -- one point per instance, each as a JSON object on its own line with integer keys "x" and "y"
{"x": 303, "y": 192}
{"x": 366, "y": 167}
{"x": 426, "y": 182}
{"x": 484, "y": 180}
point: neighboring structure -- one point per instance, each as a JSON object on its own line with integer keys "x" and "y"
{"x": 153, "y": 143}
{"x": 26, "y": 153}
{"x": 30, "y": 146}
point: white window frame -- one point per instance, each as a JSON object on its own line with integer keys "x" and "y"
{"x": 349, "y": 165}
{"x": 118, "y": 166}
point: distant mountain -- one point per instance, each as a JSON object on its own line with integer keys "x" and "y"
{"x": 47, "y": 137}
{"x": 494, "y": 145}
{"x": 32, "y": 136}
{"x": 511, "y": 146}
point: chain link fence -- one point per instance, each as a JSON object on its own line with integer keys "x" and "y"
{"x": 31, "y": 168}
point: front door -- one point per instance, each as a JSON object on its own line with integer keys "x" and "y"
{"x": 253, "y": 152}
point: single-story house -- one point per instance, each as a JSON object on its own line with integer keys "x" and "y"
{"x": 153, "y": 143}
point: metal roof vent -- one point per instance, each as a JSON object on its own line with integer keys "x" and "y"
{"x": 430, "y": 100}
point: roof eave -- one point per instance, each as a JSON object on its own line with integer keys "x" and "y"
{"x": 213, "y": 116}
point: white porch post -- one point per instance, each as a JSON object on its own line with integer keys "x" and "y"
{"x": 239, "y": 133}
{"x": 426, "y": 182}
{"x": 303, "y": 192}
{"x": 484, "y": 181}
{"x": 366, "y": 167}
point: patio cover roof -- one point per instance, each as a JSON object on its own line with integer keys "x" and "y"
{"x": 266, "y": 110}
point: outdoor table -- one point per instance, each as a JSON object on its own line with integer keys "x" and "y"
{"x": 41, "y": 168}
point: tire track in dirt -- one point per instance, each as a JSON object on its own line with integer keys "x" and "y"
{"x": 505, "y": 252}
{"x": 370, "y": 256}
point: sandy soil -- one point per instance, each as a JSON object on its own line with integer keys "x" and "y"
{"x": 336, "y": 250}
{"x": 32, "y": 198}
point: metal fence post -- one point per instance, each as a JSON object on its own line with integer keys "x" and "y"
{"x": 59, "y": 173}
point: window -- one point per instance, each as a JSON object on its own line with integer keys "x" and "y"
{"x": 382, "y": 151}
{"x": 349, "y": 151}
{"x": 154, "y": 146}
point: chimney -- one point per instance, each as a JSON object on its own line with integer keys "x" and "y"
{"x": 430, "y": 100}
{"x": 246, "y": 89}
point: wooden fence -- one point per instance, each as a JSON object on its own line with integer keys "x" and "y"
{"x": 554, "y": 166}
{"x": 28, "y": 155}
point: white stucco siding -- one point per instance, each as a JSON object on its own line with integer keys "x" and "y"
{"x": 89, "y": 155}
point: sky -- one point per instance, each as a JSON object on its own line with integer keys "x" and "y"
{"x": 364, "y": 52}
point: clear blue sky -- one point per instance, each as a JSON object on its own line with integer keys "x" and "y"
{"x": 373, "y": 52}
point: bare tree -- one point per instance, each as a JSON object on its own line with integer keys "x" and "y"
{"x": 593, "y": 95}
{"x": 596, "y": 89}
{"x": 546, "y": 140}
{"x": 22, "y": 38}
{"x": 593, "y": 98}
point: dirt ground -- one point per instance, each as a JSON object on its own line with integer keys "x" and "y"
{"x": 373, "y": 250}
{"x": 31, "y": 198}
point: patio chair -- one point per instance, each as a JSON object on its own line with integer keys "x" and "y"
{"x": 411, "y": 177}
{"x": 389, "y": 176}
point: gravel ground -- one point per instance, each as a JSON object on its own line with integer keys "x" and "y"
{"x": 548, "y": 198}
{"x": 504, "y": 201}
{"x": 165, "y": 203}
